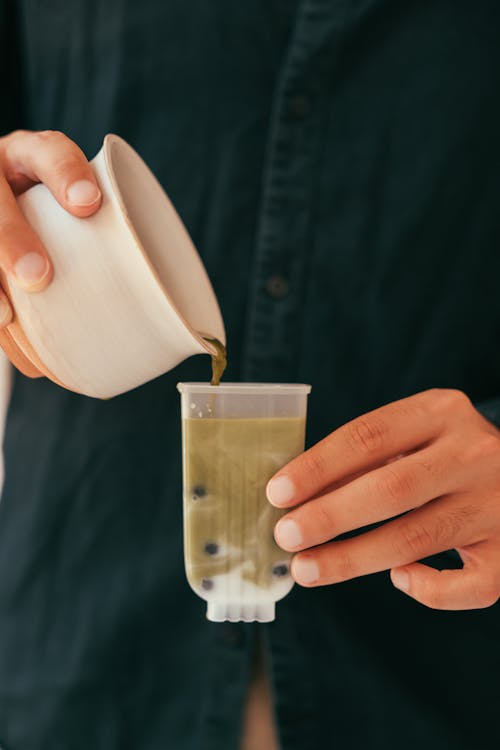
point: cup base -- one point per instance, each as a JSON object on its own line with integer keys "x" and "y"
{"x": 240, "y": 612}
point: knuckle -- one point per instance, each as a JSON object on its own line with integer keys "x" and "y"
{"x": 64, "y": 166}
{"x": 325, "y": 520}
{"x": 484, "y": 447}
{"x": 314, "y": 464}
{"x": 395, "y": 485}
{"x": 490, "y": 444}
{"x": 445, "y": 529}
{"x": 415, "y": 540}
{"x": 16, "y": 134}
{"x": 344, "y": 566}
{"x": 367, "y": 434}
{"x": 487, "y": 446}
{"x": 50, "y": 136}
{"x": 448, "y": 399}
{"x": 464, "y": 515}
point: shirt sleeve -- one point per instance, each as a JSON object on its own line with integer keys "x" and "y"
{"x": 10, "y": 67}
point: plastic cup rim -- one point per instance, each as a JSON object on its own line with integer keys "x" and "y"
{"x": 276, "y": 389}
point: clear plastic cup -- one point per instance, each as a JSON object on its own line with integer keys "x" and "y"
{"x": 235, "y": 436}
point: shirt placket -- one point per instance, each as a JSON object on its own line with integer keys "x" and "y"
{"x": 222, "y": 712}
{"x": 276, "y": 308}
{"x": 273, "y": 336}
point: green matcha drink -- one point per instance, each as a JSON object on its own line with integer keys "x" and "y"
{"x": 235, "y": 437}
{"x": 228, "y": 464}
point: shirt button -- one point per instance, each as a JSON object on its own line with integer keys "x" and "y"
{"x": 277, "y": 287}
{"x": 299, "y": 106}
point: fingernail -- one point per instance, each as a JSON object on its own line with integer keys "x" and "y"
{"x": 305, "y": 570}
{"x": 83, "y": 193}
{"x": 5, "y": 313}
{"x": 31, "y": 270}
{"x": 401, "y": 580}
{"x": 280, "y": 490}
{"x": 288, "y": 534}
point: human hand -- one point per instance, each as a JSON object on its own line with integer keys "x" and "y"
{"x": 431, "y": 457}
{"x": 27, "y": 158}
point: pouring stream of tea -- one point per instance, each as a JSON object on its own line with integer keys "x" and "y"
{"x": 219, "y": 360}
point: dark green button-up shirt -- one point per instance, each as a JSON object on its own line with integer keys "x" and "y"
{"x": 337, "y": 163}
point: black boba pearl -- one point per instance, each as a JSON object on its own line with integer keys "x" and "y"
{"x": 198, "y": 491}
{"x": 280, "y": 570}
{"x": 211, "y": 548}
{"x": 207, "y": 584}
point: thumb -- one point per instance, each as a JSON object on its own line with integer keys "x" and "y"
{"x": 475, "y": 586}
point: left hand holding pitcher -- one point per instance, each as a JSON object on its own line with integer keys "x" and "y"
{"x": 27, "y": 158}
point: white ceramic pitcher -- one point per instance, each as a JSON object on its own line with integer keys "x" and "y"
{"x": 130, "y": 298}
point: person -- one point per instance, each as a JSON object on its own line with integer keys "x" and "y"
{"x": 337, "y": 166}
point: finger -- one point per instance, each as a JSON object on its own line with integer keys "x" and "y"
{"x": 377, "y": 496}
{"x": 473, "y": 587}
{"x": 6, "y": 314}
{"x": 445, "y": 523}
{"x": 52, "y": 158}
{"x": 22, "y": 255}
{"x": 375, "y": 437}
